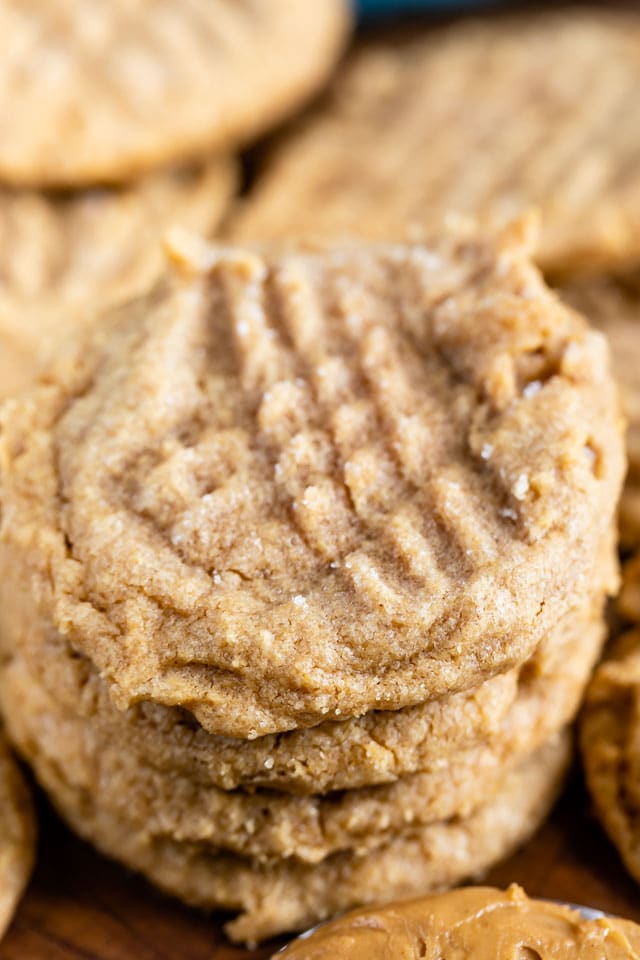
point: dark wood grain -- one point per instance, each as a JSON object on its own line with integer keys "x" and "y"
{"x": 82, "y": 907}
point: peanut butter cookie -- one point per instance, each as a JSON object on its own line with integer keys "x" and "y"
{"x": 17, "y": 837}
{"x": 612, "y": 303}
{"x": 475, "y": 118}
{"x": 273, "y": 898}
{"x": 96, "y": 91}
{"x": 66, "y": 255}
{"x": 99, "y": 754}
{"x": 365, "y": 751}
{"x": 290, "y": 487}
{"x": 610, "y": 736}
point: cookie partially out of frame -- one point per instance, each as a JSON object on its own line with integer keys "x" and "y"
{"x": 484, "y": 118}
{"x": 612, "y": 303}
{"x": 95, "y": 91}
{"x": 289, "y": 487}
{"x": 66, "y": 256}
{"x": 610, "y": 739}
{"x": 17, "y": 836}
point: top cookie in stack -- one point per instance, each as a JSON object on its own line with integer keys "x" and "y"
{"x": 390, "y": 445}
{"x": 128, "y": 116}
{"x": 297, "y": 493}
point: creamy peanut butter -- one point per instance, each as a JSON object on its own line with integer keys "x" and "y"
{"x": 473, "y": 923}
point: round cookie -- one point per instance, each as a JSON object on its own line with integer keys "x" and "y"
{"x": 119, "y": 90}
{"x": 377, "y": 748}
{"x": 101, "y": 757}
{"x": 299, "y": 486}
{"x": 478, "y": 922}
{"x": 17, "y": 837}
{"x": 610, "y": 738}
{"x": 285, "y": 896}
{"x": 66, "y": 255}
{"x": 476, "y": 118}
{"x": 612, "y": 303}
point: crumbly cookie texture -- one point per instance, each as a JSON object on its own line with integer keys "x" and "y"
{"x": 612, "y": 303}
{"x": 119, "y": 89}
{"x": 478, "y": 922}
{"x": 290, "y": 487}
{"x": 287, "y": 895}
{"x": 17, "y": 837}
{"x": 377, "y": 748}
{"x": 98, "y": 753}
{"x": 65, "y": 255}
{"x": 471, "y": 119}
{"x": 610, "y": 735}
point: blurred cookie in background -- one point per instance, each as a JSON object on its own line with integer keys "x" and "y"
{"x": 482, "y": 117}
{"x": 610, "y": 740}
{"x": 612, "y": 303}
{"x": 95, "y": 91}
{"x": 64, "y": 256}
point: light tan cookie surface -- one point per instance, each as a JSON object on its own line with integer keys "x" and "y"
{"x": 119, "y": 88}
{"x": 610, "y": 740}
{"x": 477, "y": 118}
{"x": 612, "y": 303}
{"x": 478, "y": 922}
{"x": 65, "y": 256}
{"x": 98, "y": 754}
{"x": 308, "y": 485}
{"x": 377, "y": 748}
{"x": 288, "y": 896}
{"x": 17, "y": 837}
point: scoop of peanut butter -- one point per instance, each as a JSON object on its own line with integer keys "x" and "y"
{"x": 473, "y": 923}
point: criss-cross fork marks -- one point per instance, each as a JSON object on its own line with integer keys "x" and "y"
{"x": 348, "y": 456}
{"x": 82, "y": 251}
{"x": 322, "y": 479}
{"x": 65, "y": 39}
{"x": 498, "y": 127}
{"x": 121, "y": 89}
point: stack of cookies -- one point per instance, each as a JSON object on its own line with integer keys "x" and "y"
{"x": 304, "y": 551}
{"x": 482, "y": 118}
{"x": 303, "y": 563}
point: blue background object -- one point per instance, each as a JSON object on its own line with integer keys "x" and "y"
{"x": 376, "y": 7}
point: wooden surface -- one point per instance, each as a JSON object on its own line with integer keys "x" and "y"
{"x": 82, "y": 907}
